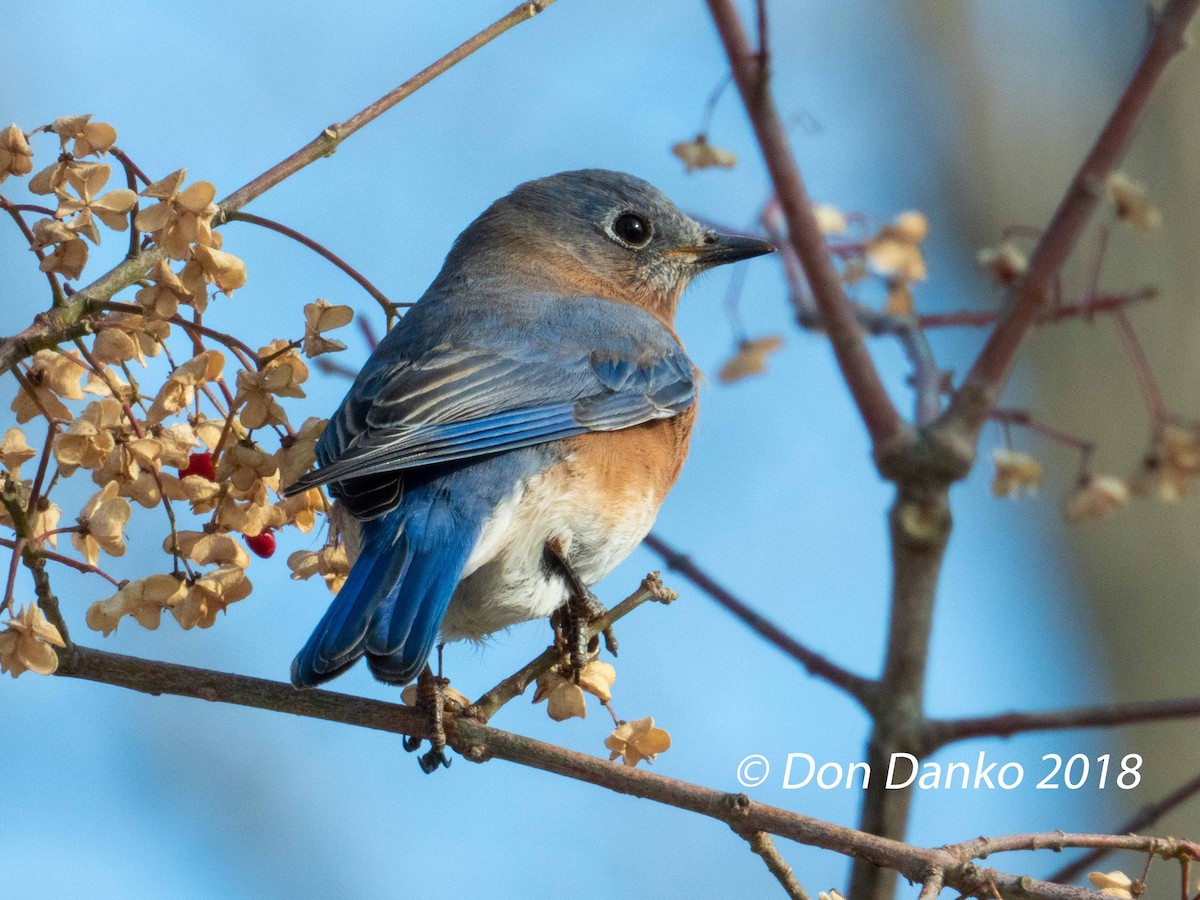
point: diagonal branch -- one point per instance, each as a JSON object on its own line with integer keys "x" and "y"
{"x": 1143, "y": 820}
{"x": 749, "y": 71}
{"x": 940, "y": 732}
{"x": 66, "y": 321}
{"x": 479, "y": 743}
{"x": 983, "y": 384}
{"x": 862, "y": 689}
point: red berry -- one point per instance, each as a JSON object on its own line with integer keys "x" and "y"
{"x": 200, "y": 464}
{"x": 262, "y": 544}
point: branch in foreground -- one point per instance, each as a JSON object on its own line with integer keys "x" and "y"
{"x": 749, "y": 71}
{"x": 478, "y": 742}
{"x": 761, "y": 843}
{"x": 389, "y": 307}
{"x": 66, "y": 321}
{"x": 1139, "y": 822}
{"x": 1098, "y": 305}
{"x": 987, "y": 377}
{"x": 940, "y": 732}
{"x": 514, "y": 685}
{"x": 862, "y": 689}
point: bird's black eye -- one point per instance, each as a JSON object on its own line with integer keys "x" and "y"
{"x": 632, "y": 229}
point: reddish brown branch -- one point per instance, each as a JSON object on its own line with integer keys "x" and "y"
{"x": 1106, "y": 303}
{"x": 389, "y": 307}
{"x": 329, "y": 139}
{"x": 862, "y": 689}
{"x": 1151, "y": 393}
{"x": 64, "y": 321}
{"x": 479, "y": 743}
{"x": 987, "y": 377}
{"x": 939, "y": 732}
{"x": 878, "y": 412}
{"x": 1140, "y": 822}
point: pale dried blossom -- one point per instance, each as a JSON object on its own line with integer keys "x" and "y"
{"x": 210, "y": 548}
{"x": 297, "y": 452}
{"x": 52, "y": 375}
{"x": 14, "y": 451}
{"x": 698, "y": 153}
{"x": 181, "y": 217}
{"x": 895, "y": 251}
{"x": 330, "y": 562}
{"x": 320, "y": 317}
{"x": 178, "y": 440}
{"x": 631, "y": 742}
{"x": 750, "y": 358}
{"x": 102, "y": 525}
{"x": 144, "y": 600}
{"x": 90, "y": 205}
{"x": 1175, "y": 463}
{"x": 1016, "y": 473}
{"x": 1096, "y": 497}
{"x": 54, "y": 176}
{"x": 90, "y": 438}
{"x": 44, "y": 518}
{"x": 179, "y": 389}
{"x": 162, "y": 297}
{"x": 251, "y": 518}
{"x": 27, "y": 643}
{"x": 564, "y": 698}
{"x": 209, "y": 595}
{"x": 256, "y": 392}
{"x": 133, "y": 465}
{"x": 1133, "y": 202}
{"x": 1113, "y": 884}
{"x": 249, "y": 470}
{"x": 1002, "y": 264}
{"x": 301, "y": 510}
{"x": 90, "y": 137}
{"x": 830, "y": 219}
{"x": 15, "y": 156}
{"x": 217, "y": 267}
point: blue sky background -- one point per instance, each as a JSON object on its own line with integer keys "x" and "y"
{"x": 112, "y": 794}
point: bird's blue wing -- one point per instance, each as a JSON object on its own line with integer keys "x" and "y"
{"x": 456, "y": 402}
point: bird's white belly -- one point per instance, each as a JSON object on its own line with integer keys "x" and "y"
{"x": 506, "y": 580}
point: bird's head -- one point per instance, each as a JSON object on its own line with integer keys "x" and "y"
{"x": 596, "y": 233}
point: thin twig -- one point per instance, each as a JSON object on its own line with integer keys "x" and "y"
{"x": 879, "y": 414}
{"x": 389, "y": 307}
{"x": 940, "y": 732}
{"x": 862, "y": 689}
{"x": 1105, "y": 303}
{"x": 514, "y": 685}
{"x": 478, "y": 742}
{"x": 762, "y": 844}
{"x": 65, "y": 321}
{"x": 987, "y": 377}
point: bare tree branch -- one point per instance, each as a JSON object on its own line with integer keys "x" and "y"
{"x": 479, "y": 743}
{"x": 983, "y": 384}
{"x": 940, "y": 732}
{"x": 878, "y": 412}
{"x": 862, "y": 689}
{"x": 66, "y": 321}
{"x": 1140, "y": 822}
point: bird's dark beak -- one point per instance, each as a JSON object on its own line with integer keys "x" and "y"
{"x": 719, "y": 249}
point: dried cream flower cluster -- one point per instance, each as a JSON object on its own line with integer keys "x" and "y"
{"x": 199, "y": 431}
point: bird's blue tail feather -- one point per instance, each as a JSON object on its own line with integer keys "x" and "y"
{"x": 392, "y": 604}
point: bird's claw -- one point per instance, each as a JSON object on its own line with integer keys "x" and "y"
{"x": 431, "y": 700}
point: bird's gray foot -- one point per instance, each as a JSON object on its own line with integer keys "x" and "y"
{"x": 571, "y": 620}
{"x": 431, "y": 700}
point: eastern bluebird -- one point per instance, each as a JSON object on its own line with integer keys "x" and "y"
{"x": 536, "y": 395}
